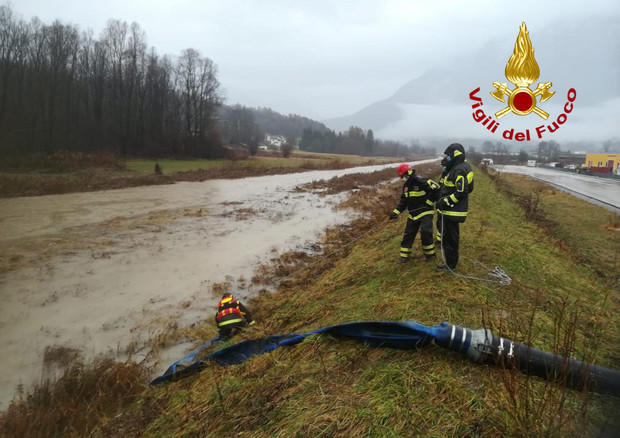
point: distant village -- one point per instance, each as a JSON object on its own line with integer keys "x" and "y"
{"x": 581, "y": 161}
{"x": 273, "y": 142}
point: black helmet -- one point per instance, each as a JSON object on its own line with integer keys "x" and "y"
{"x": 454, "y": 150}
{"x": 455, "y": 153}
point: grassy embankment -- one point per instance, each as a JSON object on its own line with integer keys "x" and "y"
{"x": 66, "y": 172}
{"x": 298, "y": 159}
{"x": 574, "y": 222}
{"x": 325, "y": 387}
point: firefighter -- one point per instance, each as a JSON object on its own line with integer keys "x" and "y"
{"x": 444, "y": 172}
{"x": 418, "y": 198}
{"x": 453, "y": 203}
{"x": 231, "y": 316}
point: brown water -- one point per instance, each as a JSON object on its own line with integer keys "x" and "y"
{"x": 97, "y": 271}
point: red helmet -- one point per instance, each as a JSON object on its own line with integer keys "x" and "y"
{"x": 403, "y": 169}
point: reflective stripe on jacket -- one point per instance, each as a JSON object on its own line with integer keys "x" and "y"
{"x": 231, "y": 311}
{"x": 457, "y": 186}
{"x": 417, "y": 197}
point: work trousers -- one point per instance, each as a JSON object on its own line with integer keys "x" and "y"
{"x": 425, "y": 226}
{"x": 230, "y": 330}
{"x": 450, "y": 242}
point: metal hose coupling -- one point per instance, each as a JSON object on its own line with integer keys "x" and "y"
{"x": 481, "y": 346}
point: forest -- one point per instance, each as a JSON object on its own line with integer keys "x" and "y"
{"x": 65, "y": 89}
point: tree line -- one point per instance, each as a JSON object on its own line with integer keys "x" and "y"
{"x": 245, "y": 126}
{"x": 356, "y": 141}
{"x": 291, "y": 125}
{"x": 63, "y": 89}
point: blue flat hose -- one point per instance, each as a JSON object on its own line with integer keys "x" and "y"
{"x": 481, "y": 346}
{"x": 402, "y": 335}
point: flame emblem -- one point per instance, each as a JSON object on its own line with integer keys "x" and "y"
{"x": 522, "y": 70}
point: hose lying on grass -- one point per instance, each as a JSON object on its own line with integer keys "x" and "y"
{"x": 481, "y": 346}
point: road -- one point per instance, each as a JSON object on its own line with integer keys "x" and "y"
{"x": 601, "y": 191}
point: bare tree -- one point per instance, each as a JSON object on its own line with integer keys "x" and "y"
{"x": 198, "y": 86}
{"x": 10, "y": 50}
{"x": 288, "y": 146}
{"x": 62, "y": 89}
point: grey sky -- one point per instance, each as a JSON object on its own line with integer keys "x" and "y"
{"x": 317, "y": 58}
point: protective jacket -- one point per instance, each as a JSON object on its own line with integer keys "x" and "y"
{"x": 231, "y": 311}
{"x": 454, "y": 196}
{"x": 418, "y": 196}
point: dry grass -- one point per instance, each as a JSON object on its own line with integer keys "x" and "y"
{"x": 221, "y": 288}
{"x": 359, "y": 180}
{"x": 35, "y": 184}
{"x": 60, "y": 161}
{"x": 96, "y": 240}
{"x": 372, "y": 198}
{"x": 613, "y": 223}
{"x": 241, "y": 214}
{"x": 60, "y": 355}
{"x": 76, "y": 403}
{"x": 343, "y": 389}
{"x": 67, "y": 172}
{"x": 586, "y": 232}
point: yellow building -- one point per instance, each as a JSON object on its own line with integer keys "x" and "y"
{"x": 606, "y": 163}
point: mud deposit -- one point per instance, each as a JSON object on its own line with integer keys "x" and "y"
{"x": 116, "y": 271}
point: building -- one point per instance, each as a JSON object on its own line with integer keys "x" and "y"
{"x": 575, "y": 158}
{"x": 604, "y": 163}
{"x": 274, "y": 141}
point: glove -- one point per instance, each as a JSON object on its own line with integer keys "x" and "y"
{"x": 393, "y": 216}
{"x": 444, "y": 202}
{"x": 252, "y": 323}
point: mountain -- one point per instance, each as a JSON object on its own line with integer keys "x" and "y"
{"x": 583, "y": 55}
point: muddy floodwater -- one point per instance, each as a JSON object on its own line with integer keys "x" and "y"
{"x": 98, "y": 271}
{"x": 601, "y": 191}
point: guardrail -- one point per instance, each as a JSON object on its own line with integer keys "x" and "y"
{"x": 581, "y": 172}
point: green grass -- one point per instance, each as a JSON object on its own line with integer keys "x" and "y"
{"x": 297, "y": 159}
{"x": 587, "y": 230}
{"x": 325, "y": 387}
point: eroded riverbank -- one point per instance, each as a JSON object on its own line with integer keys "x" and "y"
{"x": 102, "y": 271}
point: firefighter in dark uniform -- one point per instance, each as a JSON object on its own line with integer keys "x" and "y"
{"x": 231, "y": 316}
{"x": 453, "y": 203}
{"x": 418, "y": 197}
{"x": 444, "y": 172}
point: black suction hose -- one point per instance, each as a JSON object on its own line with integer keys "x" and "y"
{"x": 481, "y": 346}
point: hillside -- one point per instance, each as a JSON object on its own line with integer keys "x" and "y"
{"x": 269, "y": 121}
{"x": 421, "y": 107}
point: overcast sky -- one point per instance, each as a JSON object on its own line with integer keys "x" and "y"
{"x": 317, "y": 58}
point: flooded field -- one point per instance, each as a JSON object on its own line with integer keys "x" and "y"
{"x": 106, "y": 270}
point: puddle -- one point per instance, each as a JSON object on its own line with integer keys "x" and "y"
{"x": 98, "y": 271}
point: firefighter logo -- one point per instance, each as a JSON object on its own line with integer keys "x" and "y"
{"x": 522, "y": 70}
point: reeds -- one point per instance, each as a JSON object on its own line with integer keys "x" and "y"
{"x": 76, "y": 403}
